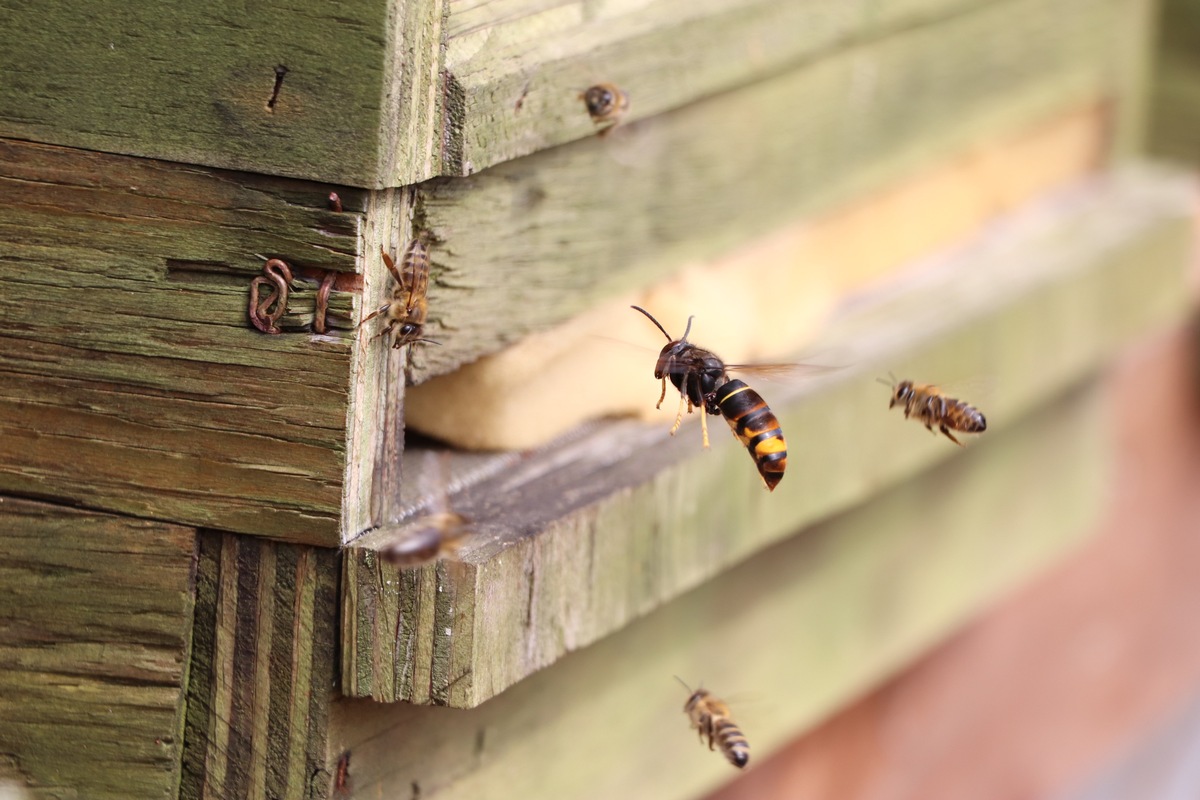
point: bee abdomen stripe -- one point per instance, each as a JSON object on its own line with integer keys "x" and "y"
{"x": 732, "y": 737}
{"x": 735, "y": 391}
{"x": 754, "y": 420}
{"x": 753, "y": 443}
{"x": 771, "y": 458}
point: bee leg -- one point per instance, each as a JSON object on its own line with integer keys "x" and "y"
{"x": 391, "y": 266}
{"x": 679, "y": 415}
{"x": 408, "y": 362}
{"x": 704, "y": 427}
{"x": 383, "y": 309}
{"x": 662, "y": 396}
{"x": 949, "y": 435}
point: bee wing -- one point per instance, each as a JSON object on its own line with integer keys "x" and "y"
{"x": 414, "y": 274}
{"x": 781, "y": 372}
{"x": 975, "y": 389}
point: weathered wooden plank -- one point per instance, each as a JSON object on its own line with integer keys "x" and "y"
{"x": 281, "y": 87}
{"x": 515, "y": 70}
{"x": 375, "y": 419}
{"x": 95, "y": 632}
{"x": 807, "y": 269}
{"x": 789, "y": 635}
{"x": 557, "y": 532}
{"x": 261, "y": 677}
{"x": 133, "y": 380}
{"x": 535, "y": 241}
{"x": 391, "y": 93}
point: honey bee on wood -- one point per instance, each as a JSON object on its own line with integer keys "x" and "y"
{"x": 932, "y": 407}
{"x": 606, "y": 103}
{"x": 408, "y": 308}
{"x": 710, "y": 717}
{"x": 703, "y": 382}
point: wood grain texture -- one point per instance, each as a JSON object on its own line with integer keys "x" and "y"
{"x": 95, "y": 632}
{"x": 787, "y": 636}
{"x": 132, "y": 379}
{"x": 388, "y": 93}
{"x": 378, "y": 376}
{"x": 557, "y": 532}
{"x": 538, "y": 240}
{"x": 262, "y": 671}
{"x": 192, "y": 83}
{"x": 516, "y": 70}
{"x": 413, "y": 141}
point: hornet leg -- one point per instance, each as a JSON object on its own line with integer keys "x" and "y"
{"x": 678, "y": 416}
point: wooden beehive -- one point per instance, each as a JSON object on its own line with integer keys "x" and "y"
{"x": 192, "y": 599}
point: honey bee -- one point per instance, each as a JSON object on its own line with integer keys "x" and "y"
{"x": 432, "y": 537}
{"x": 606, "y": 103}
{"x": 710, "y": 717}
{"x": 438, "y": 534}
{"x": 932, "y": 407}
{"x": 703, "y": 382}
{"x": 408, "y": 306}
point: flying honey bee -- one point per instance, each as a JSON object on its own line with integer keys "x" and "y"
{"x": 932, "y": 407}
{"x": 428, "y": 539}
{"x": 606, "y": 103}
{"x": 438, "y": 534}
{"x": 710, "y": 717}
{"x": 703, "y": 382}
{"x": 408, "y": 306}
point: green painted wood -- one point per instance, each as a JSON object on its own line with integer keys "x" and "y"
{"x": 573, "y": 542}
{"x": 192, "y": 83}
{"x": 132, "y": 379}
{"x": 535, "y": 241}
{"x": 262, "y": 671}
{"x": 95, "y": 632}
{"x": 788, "y": 637}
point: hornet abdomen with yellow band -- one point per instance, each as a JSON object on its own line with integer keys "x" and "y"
{"x": 755, "y": 427}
